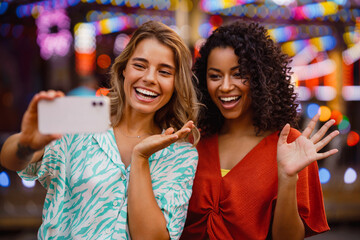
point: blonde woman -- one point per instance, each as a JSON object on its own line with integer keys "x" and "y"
{"x": 135, "y": 180}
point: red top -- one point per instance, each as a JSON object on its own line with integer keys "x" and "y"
{"x": 241, "y": 204}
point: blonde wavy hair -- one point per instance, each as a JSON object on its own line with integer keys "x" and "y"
{"x": 183, "y": 105}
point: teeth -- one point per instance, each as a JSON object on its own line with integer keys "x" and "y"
{"x": 228, "y": 99}
{"x": 146, "y": 92}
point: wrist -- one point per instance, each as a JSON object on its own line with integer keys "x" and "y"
{"x": 24, "y": 151}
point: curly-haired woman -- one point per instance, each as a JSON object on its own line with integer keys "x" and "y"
{"x": 253, "y": 181}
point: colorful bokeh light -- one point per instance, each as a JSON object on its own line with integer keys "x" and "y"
{"x": 344, "y": 126}
{"x": 325, "y": 113}
{"x": 324, "y": 175}
{"x": 103, "y": 61}
{"x": 28, "y": 184}
{"x": 4, "y": 179}
{"x": 102, "y": 92}
{"x": 352, "y": 138}
{"x": 312, "y": 110}
{"x": 350, "y": 176}
{"x": 337, "y": 116}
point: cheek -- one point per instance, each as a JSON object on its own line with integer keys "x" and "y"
{"x": 211, "y": 89}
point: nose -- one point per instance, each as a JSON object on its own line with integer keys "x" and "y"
{"x": 226, "y": 85}
{"x": 150, "y": 76}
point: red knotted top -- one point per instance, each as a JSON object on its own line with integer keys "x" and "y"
{"x": 241, "y": 204}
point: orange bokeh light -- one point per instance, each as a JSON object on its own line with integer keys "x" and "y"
{"x": 102, "y": 92}
{"x": 103, "y": 61}
{"x": 352, "y": 138}
{"x": 337, "y": 116}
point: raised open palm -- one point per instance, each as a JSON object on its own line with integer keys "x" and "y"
{"x": 295, "y": 156}
{"x": 154, "y": 143}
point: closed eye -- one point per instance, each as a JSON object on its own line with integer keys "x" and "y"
{"x": 214, "y": 76}
{"x": 139, "y": 66}
{"x": 166, "y": 73}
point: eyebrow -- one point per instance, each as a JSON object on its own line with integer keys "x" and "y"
{"x": 217, "y": 70}
{"x": 146, "y": 61}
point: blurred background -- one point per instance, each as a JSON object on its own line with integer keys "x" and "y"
{"x": 69, "y": 45}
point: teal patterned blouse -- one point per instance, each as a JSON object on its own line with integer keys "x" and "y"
{"x": 87, "y": 182}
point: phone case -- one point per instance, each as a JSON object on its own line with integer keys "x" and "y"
{"x": 74, "y": 115}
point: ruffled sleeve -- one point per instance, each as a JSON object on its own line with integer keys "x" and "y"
{"x": 310, "y": 198}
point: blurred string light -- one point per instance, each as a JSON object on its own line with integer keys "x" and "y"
{"x": 283, "y": 2}
{"x": 148, "y": 4}
{"x": 350, "y": 176}
{"x": 351, "y": 93}
{"x": 293, "y": 32}
{"x": 3, "y": 7}
{"x": 31, "y": 9}
{"x": 324, "y": 11}
{"x": 324, "y": 175}
{"x": 324, "y": 43}
{"x": 351, "y": 37}
{"x": 283, "y": 34}
{"x": 314, "y": 10}
{"x": 108, "y": 22}
{"x": 4, "y": 179}
{"x": 352, "y": 138}
{"x": 351, "y": 54}
{"x": 28, "y": 184}
{"x": 211, "y": 5}
{"x": 5, "y": 29}
{"x": 111, "y": 25}
{"x": 315, "y": 70}
{"x": 305, "y": 56}
{"x": 85, "y": 48}
{"x": 15, "y": 30}
{"x": 325, "y": 93}
{"x": 120, "y": 43}
{"x": 54, "y": 37}
{"x": 304, "y": 93}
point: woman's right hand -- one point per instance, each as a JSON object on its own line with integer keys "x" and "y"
{"x": 154, "y": 143}
{"x": 30, "y": 135}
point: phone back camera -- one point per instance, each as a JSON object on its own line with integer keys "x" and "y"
{"x": 97, "y": 103}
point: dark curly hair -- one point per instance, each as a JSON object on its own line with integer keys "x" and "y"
{"x": 273, "y": 99}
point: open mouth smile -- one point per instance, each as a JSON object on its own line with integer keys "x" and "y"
{"x": 229, "y": 102}
{"x": 146, "y": 94}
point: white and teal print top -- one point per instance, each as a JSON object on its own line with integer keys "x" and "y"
{"x": 86, "y": 184}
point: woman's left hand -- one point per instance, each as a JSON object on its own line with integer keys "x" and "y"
{"x": 154, "y": 143}
{"x": 295, "y": 156}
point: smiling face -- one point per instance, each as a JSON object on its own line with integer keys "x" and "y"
{"x": 228, "y": 88}
{"x": 149, "y": 77}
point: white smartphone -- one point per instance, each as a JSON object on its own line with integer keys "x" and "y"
{"x": 74, "y": 115}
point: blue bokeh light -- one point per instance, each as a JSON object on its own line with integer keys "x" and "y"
{"x": 324, "y": 175}
{"x": 312, "y": 110}
{"x": 4, "y": 179}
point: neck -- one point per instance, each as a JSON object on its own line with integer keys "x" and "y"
{"x": 242, "y": 126}
{"x": 137, "y": 126}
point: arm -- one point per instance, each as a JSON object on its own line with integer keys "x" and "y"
{"x": 27, "y": 146}
{"x": 292, "y": 158}
{"x": 146, "y": 220}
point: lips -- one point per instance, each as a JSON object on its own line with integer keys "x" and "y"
{"x": 229, "y": 101}
{"x": 146, "y": 94}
